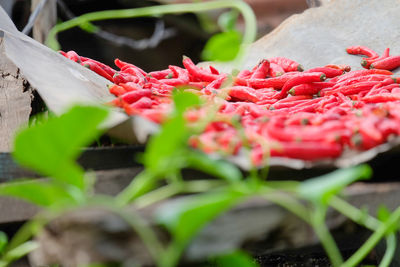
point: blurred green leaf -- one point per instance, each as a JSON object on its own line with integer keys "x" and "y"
{"x": 20, "y": 251}
{"x": 321, "y": 188}
{"x": 40, "y": 193}
{"x": 227, "y": 20}
{"x": 223, "y": 46}
{"x": 188, "y": 216}
{"x": 3, "y": 241}
{"x": 51, "y": 147}
{"x": 165, "y": 147}
{"x": 383, "y": 213}
{"x": 214, "y": 167}
{"x": 237, "y": 258}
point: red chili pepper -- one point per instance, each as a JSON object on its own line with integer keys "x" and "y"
{"x": 131, "y": 86}
{"x": 197, "y": 72}
{"x": 308, "y": 150}
{"x": 161, "y": 74}
{"x": 329, "y": 72}
{"x": 198, "y": 85}
{"x": 309, "y": 88}
{"x": 156, "y": 115}
{"x": 213, "y": 70}
{"x": 366, "y": 62}
{"x": 389, "y": 63}
{"x": 124, "y": 78}
{"x": 216, "y": 84}
{"x": 381, "y": 98}
{"x": 275, "y": 70}
{"x": 287, "y": 104}
{"x": 116, "y": 89}
{"x": 243, "y": 93}
{"x": 353, "y": 88}
{"x": 72, "y": 55}
{"x": 301, "y": 78}
{"x": 286, "y": 64}
{"x": 182, "y": 77}
{"x": 244, "y": 74}
{"x": 123, "y": 65}
{"x": 261, "y": 70}
{"x": 382, "y": 85}
{"x": 359, "y": 73}
{"x": 94, "y": 67}
{"x": 133, "y": 96}
{"x": 345, "y": 68}
{"x": 276, "y": 82}
{"x": 62, "y": 53}
{"x": 105, "y": 67}
{"x": 362, "y": 50}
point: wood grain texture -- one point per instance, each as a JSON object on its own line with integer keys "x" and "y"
{"x": 15, "y": 101}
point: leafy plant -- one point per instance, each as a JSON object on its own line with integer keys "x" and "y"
{"x": 223, "y": 46}
{"x": 166, "y": 155}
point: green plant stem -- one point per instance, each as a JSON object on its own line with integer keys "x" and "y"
{"x": 286, "y": 201}
{"x": 391, "y": 244}
{"x": 141, "y": 184}
{"x": 248, "y": 15}
{"x": 354, "y": 213}
{"x": 363, "y": 251}
{"x": 176, "y": 188}
{"x": 327, "y": 241}
{"x": 29, "y": 229}
{"x": 144, "y": 231}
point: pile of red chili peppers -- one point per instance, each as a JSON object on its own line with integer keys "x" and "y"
{"x": 282, "y": 110}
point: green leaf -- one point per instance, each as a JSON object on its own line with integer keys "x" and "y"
{"x": 163, "y": 149}
{"x": 183, "y": 101}
{"x": 187, "y": 217}
{"x": 322, "y": 188}
{"x": 237, "y": 258}
{"x": 218, "y": 168}
{"x": 20, "y": 251}
{"x": 3, "y": 241}
{"x": 227, "y": 20}
{"x": 383, "y": 215}
{"x": 223, "y": 46}
{"x": 39, "y": 192}
{"x": 51, "y": 148}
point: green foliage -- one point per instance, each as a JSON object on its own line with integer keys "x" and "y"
{"x": 223, "y": 46}
{"x": 18, "y": 252}
{"x": 42, "y": 193}
{"x": 3, "y": 241}
{"x": 217, "y": 168}
{"x": 51, "y": 148}
{"x": 227, "y": 20}
{"x": 164, "y": 150}
{"x": 187, "y": 217}
{"x": 321, "y": 189}
{"x": 237, "y": 258}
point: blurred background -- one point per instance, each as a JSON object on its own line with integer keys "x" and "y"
{"x": 151, "y": 43}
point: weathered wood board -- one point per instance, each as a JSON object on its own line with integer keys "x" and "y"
{"x": 15, "y": 100}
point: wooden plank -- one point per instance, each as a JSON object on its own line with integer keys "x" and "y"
{"x": 15, "y": 101}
